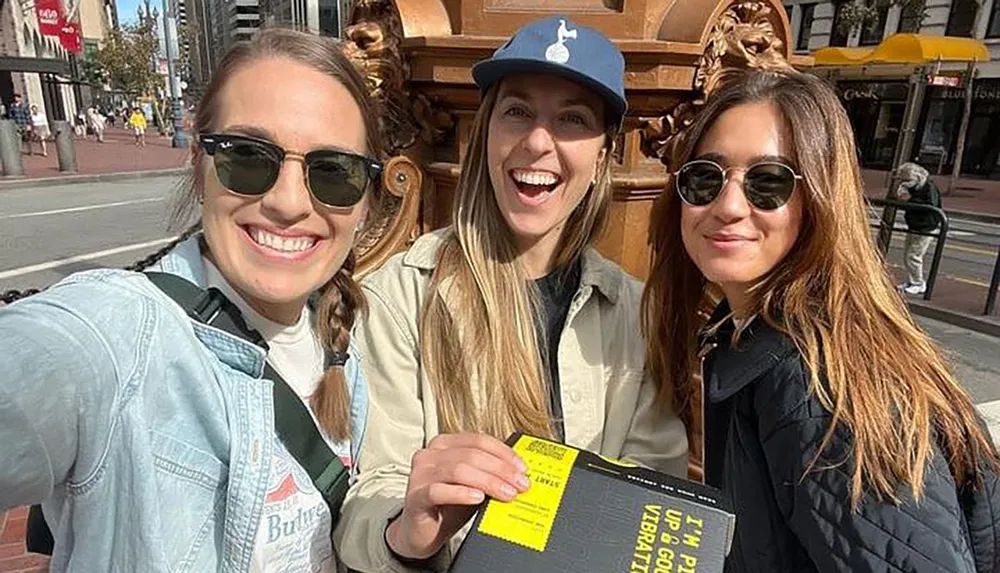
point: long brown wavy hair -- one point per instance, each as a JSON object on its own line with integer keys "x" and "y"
{"x": 341, "y": 298}
{"x": 493, "y": 338}
{"x": 877, "y": 373}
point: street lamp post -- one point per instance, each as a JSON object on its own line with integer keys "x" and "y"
{"x": 180, "y": 139}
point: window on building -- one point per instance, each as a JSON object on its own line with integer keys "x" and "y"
{"x": 872, "y": 32}
{"x": 329, "y": 18}
{"x": 909, "y": 19}
{"x": 962, "y": 18}
{"x": 838, "y": 35}
{"x": 805, "y": 26}
{"x": 788, "y": 11}
{"x": 993, "y": 30}
{"x": 90, "y": 49}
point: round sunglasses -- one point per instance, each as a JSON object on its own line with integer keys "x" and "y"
{"x": 250, "y": 166}
{"x": 767, "y": 185}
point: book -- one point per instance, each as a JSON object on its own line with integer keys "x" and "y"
{"x": 586, "y": 513}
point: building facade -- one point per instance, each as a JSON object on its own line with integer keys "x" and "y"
{"x": 36, "y": 66}
{"x": 215, "y": 25}
{"x": 243, "y": 20}
{"x": 324, "y": 17}
{"x": 875, "y": 96}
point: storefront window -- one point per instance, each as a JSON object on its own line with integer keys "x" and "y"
{"x": 939, "y": 132}
{"x": 982, "y": 154}
{"x": 876, "y": 113}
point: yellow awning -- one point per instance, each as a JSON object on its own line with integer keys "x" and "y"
{"x": 906, "y": 49}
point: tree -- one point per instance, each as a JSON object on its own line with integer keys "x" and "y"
{"x": 127, "y": 60}
{"x": 856, "y": 16}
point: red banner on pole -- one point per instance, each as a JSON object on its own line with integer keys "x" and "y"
{"x": 50, "y": 20}
{"x": 69, "y": 37}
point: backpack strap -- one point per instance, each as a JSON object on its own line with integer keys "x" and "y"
{"x": 292, "y": 420}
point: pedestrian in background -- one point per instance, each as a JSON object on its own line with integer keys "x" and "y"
{"x": 80, "y": 125}
{"x": 95, "y": 121}
{"x": 138, "y": 123}
{"x": 150, "y": 438}
{"x": 21, "y": 115}
{"x": 832, "y": 423}
{"x": 39, "y": 130}
{"x": 917, "y": 187}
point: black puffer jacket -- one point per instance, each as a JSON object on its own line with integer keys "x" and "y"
{"x": 762, "y": 428}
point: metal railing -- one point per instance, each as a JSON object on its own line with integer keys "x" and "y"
{"x": 991, "y": 296}
{"x": 941, "y": 234}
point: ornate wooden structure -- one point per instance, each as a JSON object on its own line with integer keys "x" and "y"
{"x": 418, "y": 55}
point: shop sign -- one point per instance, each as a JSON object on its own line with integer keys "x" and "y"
{"x": 982, "y": 90}
{"x": 859, "y": 91}
{"x": 890, "y": 91}
{"x": 945, "y": 81}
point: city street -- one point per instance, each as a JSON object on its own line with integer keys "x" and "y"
{"x": 46, "y": 234}
{"x": 969, "y": 255}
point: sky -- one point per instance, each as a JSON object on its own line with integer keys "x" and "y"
{"x": 127, "y": 8}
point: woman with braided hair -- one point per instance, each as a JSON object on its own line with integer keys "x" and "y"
{"x": 149, "y": 437}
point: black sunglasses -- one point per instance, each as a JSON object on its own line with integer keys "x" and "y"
{"x": 250, "y": 166}
{"x": 767, "y": 185}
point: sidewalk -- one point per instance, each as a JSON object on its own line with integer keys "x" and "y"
{"x": 13, "y": 557}
{"x": 117, "y": 154}
{"x": 954, "y": 301}
{"x": 972, "y": 195}
{"x": 950, "y": 295}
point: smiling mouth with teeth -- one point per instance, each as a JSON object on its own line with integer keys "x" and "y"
{"x": 534, "y": 183}
{"x": 279, "y": 243}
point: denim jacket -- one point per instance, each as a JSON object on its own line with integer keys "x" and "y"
{"x": 147, "y": 435}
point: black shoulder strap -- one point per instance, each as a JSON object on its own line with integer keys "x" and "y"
{"x": 292, "y": 420}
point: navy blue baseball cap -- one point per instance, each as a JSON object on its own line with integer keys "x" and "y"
{"x": 558, "y": 46}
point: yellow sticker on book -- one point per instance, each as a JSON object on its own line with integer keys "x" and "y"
{"x": 528, "y": 519}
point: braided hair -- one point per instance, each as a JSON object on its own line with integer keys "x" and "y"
{"x": 143, "y": 264}
{"x": 338, "y": 306}
{"x": 340, "y": 299}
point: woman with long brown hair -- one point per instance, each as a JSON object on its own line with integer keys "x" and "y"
{"x": 831, "y": 421}
{"x": 164, "y": 436}
{"x": 508, "y": 320}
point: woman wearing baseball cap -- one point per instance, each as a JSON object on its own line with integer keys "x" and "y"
{"x": 509, "y": 319}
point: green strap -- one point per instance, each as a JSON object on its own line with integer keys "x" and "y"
{"x": 292, "y": 420}
{"x": 306, "y": 444}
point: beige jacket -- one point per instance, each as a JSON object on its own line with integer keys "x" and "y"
{"x": 608, "y": 400}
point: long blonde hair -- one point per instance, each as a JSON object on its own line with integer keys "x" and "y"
{"x": 869, "y": 364}
{"x": 489, "y": 333}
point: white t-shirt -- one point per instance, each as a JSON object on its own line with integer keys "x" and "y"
{"x": 39, "y": 120}
{"x": 295, "y": 532}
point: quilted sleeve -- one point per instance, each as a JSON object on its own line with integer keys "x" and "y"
{"x": 913, "y": 537}
{"x": 981, "y": 506}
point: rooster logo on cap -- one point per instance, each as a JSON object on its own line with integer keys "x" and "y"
{"x": 558, "y": 52}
